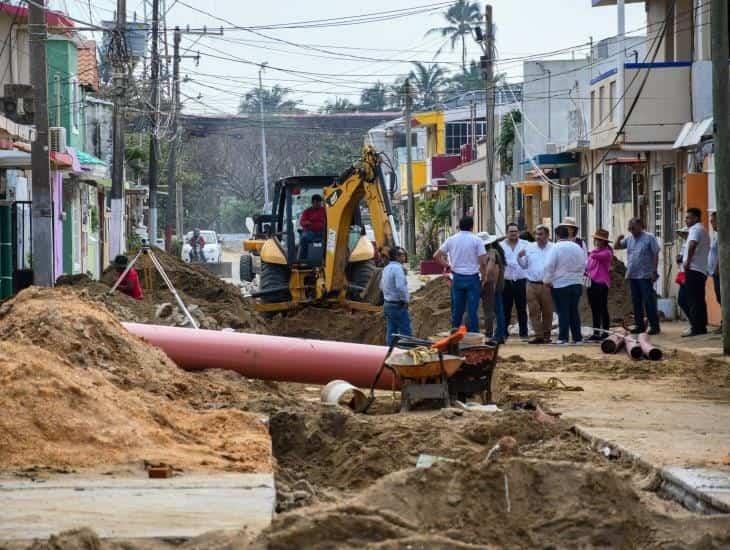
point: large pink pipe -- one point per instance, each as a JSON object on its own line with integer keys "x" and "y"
{"x": 269, "y": 357}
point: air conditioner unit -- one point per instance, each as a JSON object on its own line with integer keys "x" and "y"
{"x": 551, "y": 148}
{"x": 57, "y": 139}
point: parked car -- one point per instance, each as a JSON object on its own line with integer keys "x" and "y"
{"x": 211, "y": 250}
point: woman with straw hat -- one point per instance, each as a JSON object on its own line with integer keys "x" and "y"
{"x": 598, "y": 272}
{"x": 573, "y": 229}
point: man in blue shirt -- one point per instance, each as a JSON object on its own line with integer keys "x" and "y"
{"x": 642, "y": 260}
{"x": 394, "y": 285}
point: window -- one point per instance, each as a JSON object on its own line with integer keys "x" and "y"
{"x": 658, "y": 213}
{"x": 75, "y": 105}
{"x": 459, "y": 133}
{"x": 593, "y": 109}
{"x": 621, "y": 183}
{"x": 601, "y": 100}
{"x": 612, "y": 100}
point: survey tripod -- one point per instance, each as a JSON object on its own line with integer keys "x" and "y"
{"x": 147, "y": 250}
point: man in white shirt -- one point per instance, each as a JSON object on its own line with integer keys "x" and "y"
{"x": 532, "y": 259}
{"x": 464, "y": 253}
{"x": 564, "y": 269}
{"x": 515, "y": 279}
{"x": 695, "y": 269}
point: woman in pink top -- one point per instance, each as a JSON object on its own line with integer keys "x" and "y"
{"x": 598, "y": 270}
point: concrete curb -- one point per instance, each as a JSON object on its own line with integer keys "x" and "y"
{"x": 669, "y": 485}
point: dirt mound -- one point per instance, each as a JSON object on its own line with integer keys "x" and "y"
{"x": 56, "y": 415}
{"x": 513, "y": 504}
{"x": 331, "y": 324}
{"x": 220, "y": 304}
{"x": 430, "y": 308}
{"x": 335, "y": 448}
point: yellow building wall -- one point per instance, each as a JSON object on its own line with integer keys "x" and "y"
{"x": 419, "y": 176}
{"x": 435, "y": 123}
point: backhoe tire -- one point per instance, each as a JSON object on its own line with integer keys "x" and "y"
{"x": 364, "y": 276}
{"x": 245, "y": 268}
{"x": 274, "y": 276}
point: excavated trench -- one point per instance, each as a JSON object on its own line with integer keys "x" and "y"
{"x": 347, "y": 480}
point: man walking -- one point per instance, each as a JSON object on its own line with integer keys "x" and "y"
{"x": 564, "y": 268}
{"x": 642, "y": 260}
{"x": 515, "y": 279}
{"x": 395, "y": 292}
{"x": 464, "y": 253}
{"x": 695, "y": 270}
{"x": 539, "y": 301}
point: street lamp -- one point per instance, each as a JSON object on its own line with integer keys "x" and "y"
{"x": 263, "y": 135}
{"x": 550, "y": 98}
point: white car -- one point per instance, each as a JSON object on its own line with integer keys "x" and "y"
{"x": 211, "y": 250}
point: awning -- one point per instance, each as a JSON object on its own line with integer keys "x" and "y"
{"x": 469, "y": 173}
{"x": 693, "y": 132}
{"x": 14, "y": 159}
{"x": 61, "y": 160}
{"x": 553, "y": 160}
{"x": 87, "y": 160}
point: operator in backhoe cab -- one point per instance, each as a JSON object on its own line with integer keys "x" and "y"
{"x": 313, "y": 221}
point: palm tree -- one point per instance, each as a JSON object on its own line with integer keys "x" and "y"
{"x": 274, "y": 100}
{"x": 468, "y": 80}
{"x": 429, "y": 80}
{"x": 340, "y": 105}
{"x": 374, "y": 98}
{"x": 461, "y": 17}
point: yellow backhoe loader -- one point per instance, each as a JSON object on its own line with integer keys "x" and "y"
{"x": 338, "y": 267}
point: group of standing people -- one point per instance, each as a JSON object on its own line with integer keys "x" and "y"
{"x": 543, "y": 276}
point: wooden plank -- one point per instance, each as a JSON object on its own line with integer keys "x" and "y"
{"x": 185, "y": 506}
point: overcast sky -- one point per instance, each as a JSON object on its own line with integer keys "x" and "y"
{"x": 524, "y": 27}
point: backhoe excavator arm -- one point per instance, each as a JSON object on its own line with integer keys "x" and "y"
{"x": 363, "y": 181}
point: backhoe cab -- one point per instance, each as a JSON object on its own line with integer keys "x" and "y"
{"x": 338, "y": 265}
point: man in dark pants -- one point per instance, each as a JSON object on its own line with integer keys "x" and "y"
{"x": 565, "y": 265}
{"x": 515, "y": 279}
{"x": 464, "y": 253}
{"x": 642, "y": 260}
{"x": 695, "y": 269}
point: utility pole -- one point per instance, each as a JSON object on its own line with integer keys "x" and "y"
{"x": 720, "y": 55}
{"x": 264, "y": 158}
{"x": 174, "y": 210}
{"x": 411, "y": 207}
{"x": 119, "y": 59}
{"x": 153, "y": 174}
{"x": 42, "y": 207}
{"x": 620, "y": 65}
{"x": 489, "y": 86}
{"x": 172, "y": 216}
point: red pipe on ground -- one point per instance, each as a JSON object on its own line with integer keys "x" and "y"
{"x": 650, "y": 350}
{"x": 269, "y": 357}
{"x": 612, "y": 344}
{"x": 633, "y": 348}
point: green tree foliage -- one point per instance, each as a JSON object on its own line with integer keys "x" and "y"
{"x": 428, "y": 81}
{"x": 460, "y": 18}
{"x": 507, "y": 140}
{"x": 468, "y": 80}
{"x": 339, "y": 105}
{"x": 233, "y": 214}
{"x": 433, "y": 216}
{"x": 374, "y": 98}
{"x": 275, "y": 100}
{"x": 334, "y": 157}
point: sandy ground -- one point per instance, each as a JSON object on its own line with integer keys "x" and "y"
{"x": 348, "y": 480}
